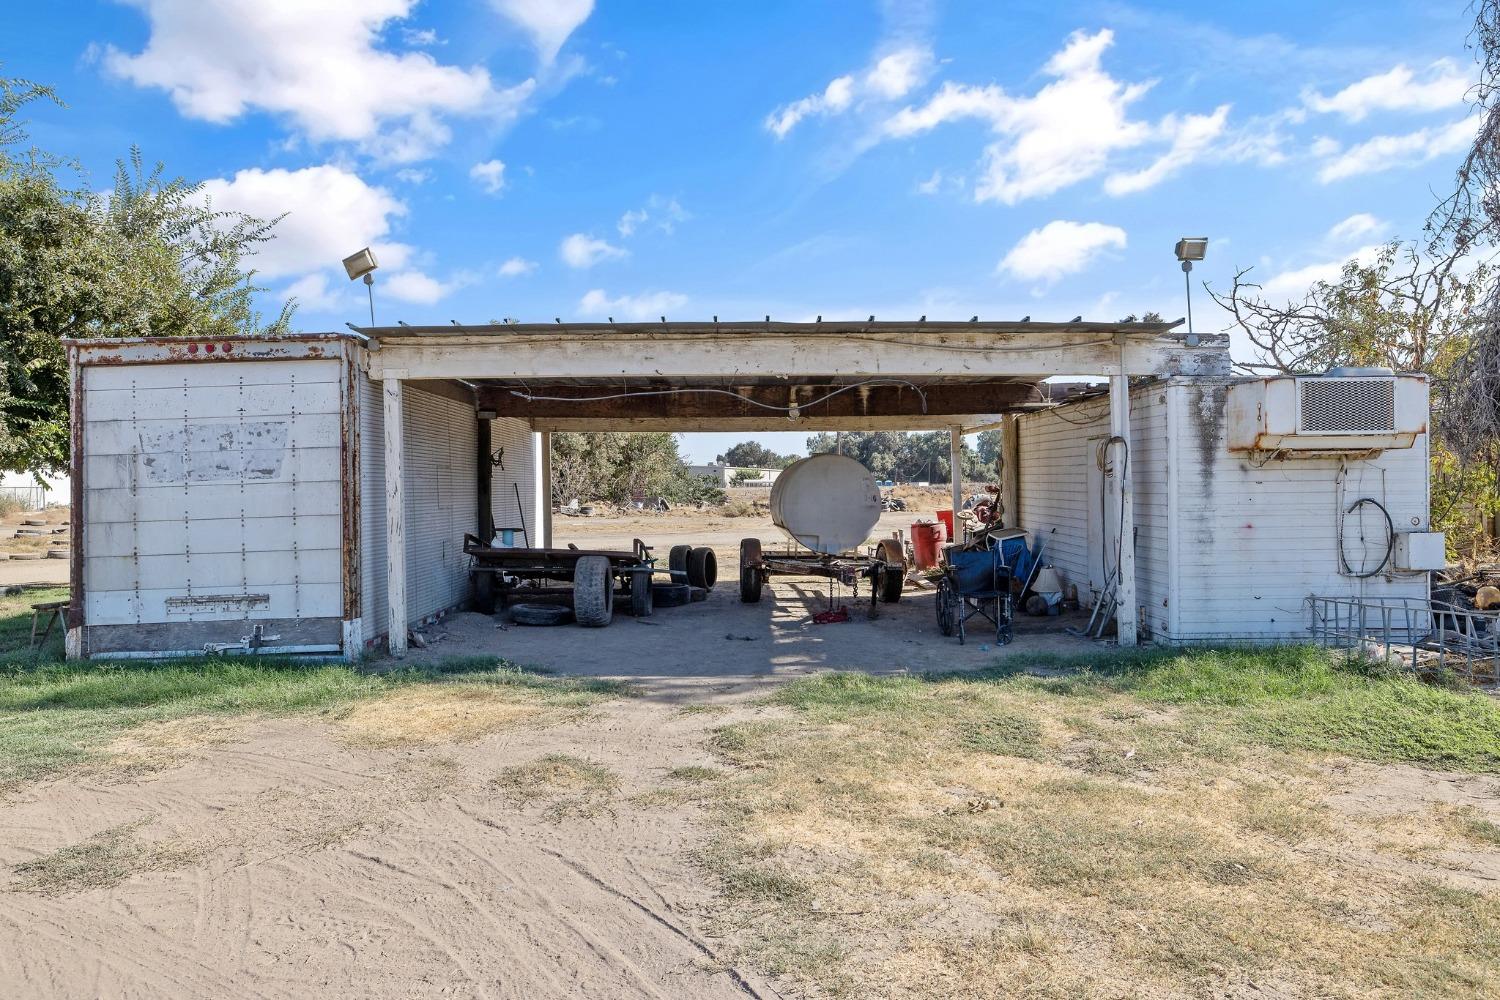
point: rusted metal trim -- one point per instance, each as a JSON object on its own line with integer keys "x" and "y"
{"x": 236, "y": 338}
{"x": 75, "y": 615}
{"x": 349, "y": 423}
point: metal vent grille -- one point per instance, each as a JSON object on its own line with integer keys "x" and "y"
{"x": 1347, "y": 406}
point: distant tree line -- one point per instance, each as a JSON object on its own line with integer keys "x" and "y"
{"x": 913, "y": 457}
{"x": 616, "y": 467}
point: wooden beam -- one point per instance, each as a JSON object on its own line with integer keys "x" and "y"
{"x": 573, "y": 354}
{"x": 750, "y": 425}
{"x": 571, "y": 401}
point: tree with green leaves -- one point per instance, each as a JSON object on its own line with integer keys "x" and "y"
{"x": 618, "y": 466}
{"x": 754, "y": 455}
{"x": 904, "y": 456}
{"x": 152, "y": 258}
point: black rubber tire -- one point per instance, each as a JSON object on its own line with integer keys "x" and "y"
{"x": 484, "y": 593}
{"x": 697, "y": 595}
{"x": 677, "y": 563}
{"x": 593, "y": 591}
{"x": 670, "y": 595}
{"x": 749, "y": 552}
{"x": 641, "y": 604}
{"x": 702, "y": 568}
{"x": 894, "y": 577}
{"x": 751, "y": 580}
{"x": 540, "y": 614}
{"x": 947, "y": 608}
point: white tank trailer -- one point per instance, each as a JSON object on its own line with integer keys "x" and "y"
{"x": 827, "y": 505}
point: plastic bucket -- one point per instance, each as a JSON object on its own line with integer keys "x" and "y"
{"x": 926, "y": 542}
{"x": 946, "y": 517}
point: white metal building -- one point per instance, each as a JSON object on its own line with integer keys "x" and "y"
{"x": 257, "y": 494}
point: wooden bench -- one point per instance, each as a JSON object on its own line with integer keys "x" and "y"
{"x": 53, "y": 610}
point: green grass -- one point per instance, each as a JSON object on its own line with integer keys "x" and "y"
{"x": 1291, "y": 698}
{"x": 55, "y": 715}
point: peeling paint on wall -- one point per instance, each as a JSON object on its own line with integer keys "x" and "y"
{"x": 215, "y": 452}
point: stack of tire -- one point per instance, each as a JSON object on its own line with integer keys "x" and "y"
{"x": 693, "y": 570}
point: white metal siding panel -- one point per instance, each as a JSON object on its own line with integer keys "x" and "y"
{"x": 442, "y": 497}
{"x": 1257, "y": 541}
{"x": 516, "y": 437}
{"x": 1054, "y": 456}
{"x": 230, "y": 491}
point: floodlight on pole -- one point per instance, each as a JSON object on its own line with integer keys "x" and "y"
{"x": 362, "y": 264}
{"x": 1189, "y": 249}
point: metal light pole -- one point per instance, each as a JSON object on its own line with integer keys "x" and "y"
{"x": 1189, "y": 249}
{"x": 362, "y": 265}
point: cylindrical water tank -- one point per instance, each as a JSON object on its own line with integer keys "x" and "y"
{"x": 829, "y": 503}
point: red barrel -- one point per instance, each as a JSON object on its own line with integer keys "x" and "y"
{"x": 926, "y": 542}
{"x": 946, "y": 516}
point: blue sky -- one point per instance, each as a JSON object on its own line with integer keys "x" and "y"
{"x": 541, "y": 158}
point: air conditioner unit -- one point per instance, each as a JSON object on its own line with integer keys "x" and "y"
{"x": 1346, "y": 411}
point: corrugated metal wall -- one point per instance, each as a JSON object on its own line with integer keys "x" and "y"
{"x": 516, "y": 437}
{"x": 1255, "y": 541}
{"x": 1053, "y": 489}
{"x": 441, "y": 497}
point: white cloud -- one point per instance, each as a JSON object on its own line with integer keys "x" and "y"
{"x": 418, "y": 288}
{"x": 312, "y": 291}
{"x": 1191, "y": 137}
{"x": 836, "y": 97}
{"x": 889, "y": 78}
{"x": 412, "y": 175}
{"x": 1356, "y": 227}
{"x": 517, "y": 267}
{"x": 895, "y": 75}
{"x": 666, "y": 213}
{"x": 1397, "y": 89}
{"x": 1060, "y": 248}
{"x": 931, "y": 185}
{"x": 330, "y": 213}
{"x": 1387, "y": 152}
{"x": 581, "y": 251}
{"x": 1293, "y": 285}
{"x": 317, "y": 62}
{"x": 647, "y": 305}
{"x": 490, "y": 175}
{"x": 1064, "y": 133}
{"x": 548, "y": 22}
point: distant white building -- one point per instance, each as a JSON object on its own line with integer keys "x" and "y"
{"x": 726, "y": 475}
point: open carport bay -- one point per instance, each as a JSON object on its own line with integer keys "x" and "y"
{"x": 723, "y": 647}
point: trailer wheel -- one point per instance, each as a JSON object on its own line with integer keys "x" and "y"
{"x": 593, "y": 591}
{"x": 484, "y": 593}
{"x": 703, "y": 568}
{"x": 539, "y": 614}
{"x": 641, "y": 604}
{"x": 749, "y": 552}
{"x": 894, "y": 576}
{"x": 751, "y": 580}
{"x": 677, "y": 562}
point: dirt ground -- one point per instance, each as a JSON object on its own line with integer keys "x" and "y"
{"x": 29, "y": 570}
{"x": 723, "y": 647}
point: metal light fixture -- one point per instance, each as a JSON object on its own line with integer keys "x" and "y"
{"x": 1189, "y": 249}
{"x": 362, "y": 264}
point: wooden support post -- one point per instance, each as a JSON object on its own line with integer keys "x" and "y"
{"x": 1120, "y": 494}
{"x": 395, "y": 515}
{"x": 542, "y": 444}
{"x": 956, "y": 469}
{"x": 484, "y": 515}
{"x": 1010, "y": 472}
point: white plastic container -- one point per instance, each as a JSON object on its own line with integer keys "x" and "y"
{"x": 828, "y": 503}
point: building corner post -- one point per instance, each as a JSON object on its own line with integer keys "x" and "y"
{"x": 542, "y": 444}
{"x": 395, "y": 514}
{"x": 956, "y": 469}
{"x": 1120, "y": 462}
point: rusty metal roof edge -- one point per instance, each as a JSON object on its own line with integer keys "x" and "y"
{"x": 761, "y": 327}
{"x": 237, "y": 338}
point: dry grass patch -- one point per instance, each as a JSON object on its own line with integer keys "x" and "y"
{"x": 430, "y": 715}
{"x": 566, "y": 786}
{"x": 999, "y": 837}
{"x": 103, "y": 860}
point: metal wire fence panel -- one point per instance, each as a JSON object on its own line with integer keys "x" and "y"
{"x": 1419, "y": 634}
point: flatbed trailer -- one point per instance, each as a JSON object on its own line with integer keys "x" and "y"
{"x": 592, "y": 572}
{"x": 884, "y": 566}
